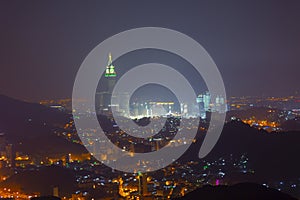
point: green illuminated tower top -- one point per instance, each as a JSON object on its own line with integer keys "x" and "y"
{"x": 110, "y": 69}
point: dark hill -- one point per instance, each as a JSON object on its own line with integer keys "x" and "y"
{"x": 242, "y": 191}
{"x": 31, "y": 127}
{"x": 43, "y": 180}
{"x": 260, "y": 113}
{"x": 45, "y": 198}
{"x": 18, "y": 117}
{"x": 273, "y": 156}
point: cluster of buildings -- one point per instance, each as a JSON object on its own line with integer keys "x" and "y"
{"x": 7, "y": 158}
{"x": 178, "y": 178}
{"x": 198, "y": 108}
{"x": 173, "y": 181}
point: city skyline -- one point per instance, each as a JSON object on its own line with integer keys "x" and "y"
{"x": 142, "y": 100}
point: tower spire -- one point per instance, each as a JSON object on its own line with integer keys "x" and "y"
{"x": 110, "y": 69}
{"x": 109, "y": 59}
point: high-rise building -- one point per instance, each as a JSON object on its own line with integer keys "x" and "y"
{"x": 55, "y": 191}
{"x": 10, "y": 155}
{"x": 121, "y": 104}
{"x": 220, "y": 105}
{"x": 103, "y": 97}
{"x": 207, "y": 103}
{"x": 204, "y": 102}
{"x": 143, "y": 186}
{"x": 110, "y": 74}
{"x": 110, "y": 69}
{"x": 184, "y": 109}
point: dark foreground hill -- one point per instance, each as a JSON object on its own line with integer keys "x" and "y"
{"x": 242, "y": 191}
{"x": 273, "y": 156}
{"x": 31, "y": 127}
{"x": 43, "y": 181}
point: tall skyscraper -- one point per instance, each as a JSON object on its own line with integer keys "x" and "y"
{"x": 204, "y": 101}
{"x": 103, "y": 97}
{"x": 207, "y": 101}
{"x": 209, "y": 104}
{"x": 110, "y": 74}
{"x": 10, "y": 155}
{"x": 220, "y": 105}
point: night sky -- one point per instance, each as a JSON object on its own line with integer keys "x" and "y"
{"x": 255, "y": 44}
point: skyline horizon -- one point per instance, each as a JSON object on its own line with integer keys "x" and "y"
{"x": 131, "y": 99}
{"x": 296, "y": 94}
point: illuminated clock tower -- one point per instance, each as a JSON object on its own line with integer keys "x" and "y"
{"x": 110, "y": 74}
{"x": 103, "y": 97}
{"x": 110, "y": 69}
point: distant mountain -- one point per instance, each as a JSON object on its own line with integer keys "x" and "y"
{"x": 242, "y": 191}
{"x": 30, "y": 128}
